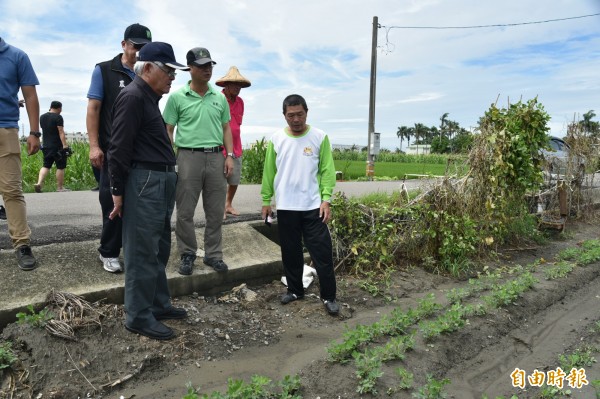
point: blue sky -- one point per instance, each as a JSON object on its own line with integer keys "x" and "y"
{"x": 322, "y": 50}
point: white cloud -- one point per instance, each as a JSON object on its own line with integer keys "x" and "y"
{"x": 322, "y": 50}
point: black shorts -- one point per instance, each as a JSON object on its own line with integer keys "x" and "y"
{"x": 54, "y": 156}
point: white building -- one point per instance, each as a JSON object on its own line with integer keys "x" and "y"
{"x": 418, "y": 149}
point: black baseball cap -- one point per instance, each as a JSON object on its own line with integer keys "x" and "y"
{"x": 162, "y": 52}
{"x": 198, "y": 56}
{"x": 138, "y": 34}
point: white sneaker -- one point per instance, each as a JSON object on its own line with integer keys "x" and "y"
{"x": 111, "y": 264}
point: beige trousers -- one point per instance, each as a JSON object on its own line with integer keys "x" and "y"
{"x": 11, "y": 187}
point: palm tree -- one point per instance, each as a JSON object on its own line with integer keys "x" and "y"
{"x": 588, "y": 126}
{"x": 404, "y": 132}
{"x": 443, "y": 123}
{"x": 420, "y": 131}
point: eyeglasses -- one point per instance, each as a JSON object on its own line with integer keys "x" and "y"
{"x": 136, "y": 45}
{"x": 170, "y": 72}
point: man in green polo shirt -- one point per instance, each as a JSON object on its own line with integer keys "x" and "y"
{"x": 201, "y": 114}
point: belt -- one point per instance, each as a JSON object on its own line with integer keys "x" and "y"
{"x": 203, "y": 149}
{"x": 157, "y": 167}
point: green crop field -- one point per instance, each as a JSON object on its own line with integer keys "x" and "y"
{"x": 394, "y": 170}
{"x": 79, "y": 174}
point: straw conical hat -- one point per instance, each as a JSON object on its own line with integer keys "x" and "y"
{"x": 233, "y": 75}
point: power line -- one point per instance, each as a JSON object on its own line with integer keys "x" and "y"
{"x": 390, "y": 46}
{"x": 489, "y": 26}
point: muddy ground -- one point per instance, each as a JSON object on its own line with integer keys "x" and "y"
{"x": 240, "y": 334}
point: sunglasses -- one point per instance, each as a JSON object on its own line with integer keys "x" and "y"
{"x": 135, "y": 45}
{"x": 170, "y": 72}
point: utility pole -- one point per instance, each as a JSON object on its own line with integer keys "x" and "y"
{"x": 370, "y": 156}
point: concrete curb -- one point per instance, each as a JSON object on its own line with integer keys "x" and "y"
{"x": 249, "y": 249}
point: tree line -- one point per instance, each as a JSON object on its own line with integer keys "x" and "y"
{"x": 450, "y": 137}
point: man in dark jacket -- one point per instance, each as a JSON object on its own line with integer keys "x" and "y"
{"x": 108, "y": 79}
{"x": 141, "y": 163}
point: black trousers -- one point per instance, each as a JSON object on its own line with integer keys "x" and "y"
{"x": 111, "y": 238}
{"x": 148, "y": 205}
{"x": 294, "y": 228}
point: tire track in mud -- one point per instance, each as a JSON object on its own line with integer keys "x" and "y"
{"x": 536, "y": 341}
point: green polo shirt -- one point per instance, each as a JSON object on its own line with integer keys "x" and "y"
{"x": 199, "y": 120}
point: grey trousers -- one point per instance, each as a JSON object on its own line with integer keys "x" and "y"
{"x": 148, "y": 205}
{"x": 200, "y": 173}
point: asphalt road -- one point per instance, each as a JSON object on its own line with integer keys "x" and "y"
{"x": 75, "y": 216}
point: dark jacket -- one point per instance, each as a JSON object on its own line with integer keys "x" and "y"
{"x": 139, "y": 134}
{"x": 114, "y": 79}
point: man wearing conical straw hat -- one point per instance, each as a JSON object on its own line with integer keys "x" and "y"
{"x": 232, "y": 83}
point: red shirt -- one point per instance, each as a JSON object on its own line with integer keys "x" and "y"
{"x": 236, "y": 109}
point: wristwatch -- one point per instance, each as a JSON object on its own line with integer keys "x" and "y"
{"x": 230, "y": 154}
{"x": 36, "y": 134}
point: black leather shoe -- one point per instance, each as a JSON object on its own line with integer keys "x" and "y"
{"x": 332, "y": 307}
{"x": 172, "y": 313}
{"x": 289, "y": 297}
{"x": 217, "y": 264}
{"x": 25, "y": 258}
{"x": 156, "y": 331}
{"x": 187, "y": 264}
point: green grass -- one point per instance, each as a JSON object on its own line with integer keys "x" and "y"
{"x": 357, "y": 169}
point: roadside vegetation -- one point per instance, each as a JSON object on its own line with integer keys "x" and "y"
{"x": 494, "y": 195}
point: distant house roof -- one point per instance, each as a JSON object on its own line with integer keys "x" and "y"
{"x": 346, "y": 147}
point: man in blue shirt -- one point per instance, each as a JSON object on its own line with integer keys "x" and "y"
{"x": 17, "y": 73}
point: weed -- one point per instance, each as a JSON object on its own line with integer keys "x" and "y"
{"x": 406, "y": 381}
{"x": 427, "y": 306}
{"x": 368, "y": 371}
{"x": 456, "y": 295}
{"x": 590, "y": 252}
{"x": 560, "y": 270}
{"x": 34, "y": 319}
{"x": 395, "y": 348}
{"x": 377, "y": 283}
{"x": 452, "y": 320}
{"x": 406, "y": 378}
{"x": 7, "y": 356}
{"x": 397, "y": 323}
{"x": 259, "y": 387}
{"x": 192, "y": 393}
{"x": 346, "y": 168}
{"x": 351, "y": 341}
{"x": 596, "y": 385}
{"x": 581, "y": 357}
{"x": 434, "y": 389}
{"x": 568, "y": 254}
{"x": 551, "y": 392}
{"x": 253, "y": 162}
{"x": 289, "y": 386}
{"x": 507, "y": 293}
{"x": 566, "y": 235}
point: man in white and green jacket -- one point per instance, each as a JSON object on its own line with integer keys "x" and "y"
{"x": 300, "y": 172}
